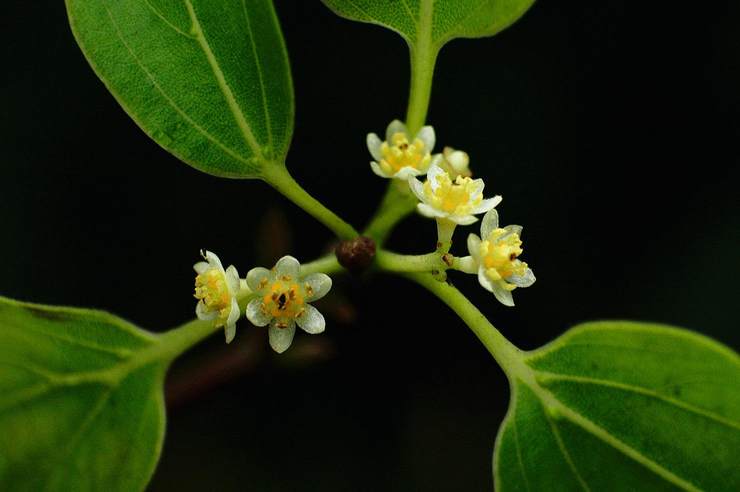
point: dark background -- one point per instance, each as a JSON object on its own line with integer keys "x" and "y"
{"x": 611, "y": 129}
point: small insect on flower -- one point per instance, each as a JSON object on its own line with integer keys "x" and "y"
{"x": 496, "y": 254}
{"x": 401, "y": 156}
{"x": 216, "y": 290}
{"x": 457, "y": 200}
{"x": 283, "y": 301}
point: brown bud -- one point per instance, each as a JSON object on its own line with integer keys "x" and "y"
{"x": 356, "y": 254}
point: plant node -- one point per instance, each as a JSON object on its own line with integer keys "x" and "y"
{"x": 356, "y": 254}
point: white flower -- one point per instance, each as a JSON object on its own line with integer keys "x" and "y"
{"x": 457, "y": 201}
{"x": 283, "y": 301}
{"x": 216, "y": 290}
{"x": 455, "y": 162}
{"x": 499, "y": 270}
{"x": 397, "y": 157}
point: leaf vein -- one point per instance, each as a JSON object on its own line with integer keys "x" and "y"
{"x": 519, "y": 452}
{"x": 76, "y": 438}
{"x": 605, "y": 436}
{"x": 451, "y": 32}
{"x": 564, "y": 450}
{"x": 167, "y": 22}
{"x": 118, "y": 353}
{"x": 260, "y": 75}
{"x": 228, "y": 151}
{"x": 410, "y": 12}
{"x": 236, "y": 111}
{"x": 549, "y": 376}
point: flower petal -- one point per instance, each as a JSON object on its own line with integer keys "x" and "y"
{"x": 212, "y": 259}
{"x": 457, "y": 159}
{"x": 434, "y": 171}
{"x": 229, "y": 332}
{"x": 311, "y": 320}
{"x": 426, "y": 135}
{"x": 507, "y": 232}
{"x": 428, "y": 211}
{"x": 203, "y": 314}
{"x": 373, "y": 145}
{"x": 486, "y": 205}
{"x": 503, "y": 295}
{"x": 377, "y": 170}
{"x": 232, "y": 279}
{"x": 436, "y": 160}
{"x": 478, "y": 186}
{"x": 524, "y": 280}
{"x": 281, "y": 338}
{"x": 474, "y": 246}
{"x": 395, "y": 126}
{"x": 234, "y": 313}
{"x": 287, "y": 266}
{"x": 463, "y": 219}
{"x": 467, "y": 264}
{"x": 514, "y": 229}
{"x": 319, "y": 284}
{"x": 407, "y": 172}
{"x": 256, "y": 315}
{"x": 483, "y": 279}
{"x": 417, "y": 188}
{"x": 201, "y": 267}
{"x": 256, "y": 276}
{"x": 489, "y": 223}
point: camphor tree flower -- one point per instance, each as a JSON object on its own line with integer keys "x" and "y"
{"x": 455, "y": 162}
{"x": 496, "y": 254}
{"x": 451, "y": 202}
{"x": 457, "y": 200}
{"x": 401, "y": 156}
{"x": 282, "y": 302}
{"x": 216, "y": 290}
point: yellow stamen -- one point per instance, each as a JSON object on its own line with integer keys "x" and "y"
{"x": 284, "y": 300}
{"x": 499, "y": 257}
{"x": 399, "y": 153}
{"x": 212, "y": 290}
{"x": 457, "y": 197}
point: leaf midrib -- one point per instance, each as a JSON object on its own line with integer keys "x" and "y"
{"x": 227, "y": 150}
{"x": 170, "y": 102}
{"x": 523, "y": 374}
{"x": 218, "y": 73}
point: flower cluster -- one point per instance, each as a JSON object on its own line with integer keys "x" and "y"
{"x": 279, "y": 298}
{"x": 452, "y": 197}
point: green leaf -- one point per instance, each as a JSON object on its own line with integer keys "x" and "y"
{"x": 623, "y": 406}
{"x": 81, "y": 403}
{"x": 422, "y": 21}
{"x": 208, "y": 80}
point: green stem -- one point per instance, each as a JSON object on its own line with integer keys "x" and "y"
{"x": 423, "y": 58}
{"x": 176, "y": 341}
{"x": 508, "y": 356}
{"x": 445, "y": 230}
{"x": 397, "y": 203}
{"x": 280, "y": 179}
{"x": 409, "y": 263}
{"x": 326, "y": 264}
